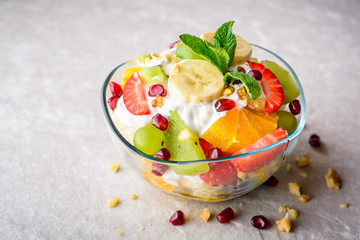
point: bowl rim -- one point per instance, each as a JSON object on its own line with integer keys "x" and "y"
{"x": 132, "y": 148}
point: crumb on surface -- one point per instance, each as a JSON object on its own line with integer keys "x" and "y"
{"x": 293, "y": 212}
{"x": 120, "y": 233}
{"x": 289, "y": 167}
{"x": 333, "y": 180}
{"x": 133, "y": 196}
{"x": 303, "y": 174}
{"x": 295, "y": 188}
{"x": 284, "y": 224}
{"x": 304, "y": 198}
{"x": 114, "y": 167}
{"x": 302, "y": 161}
{"x": 142, "y": 229}
{"x": 241, "y": 204}
{"x": 344, "y": 205}
{"x": 205, "y": 214}
{"x": 113, "y": 202}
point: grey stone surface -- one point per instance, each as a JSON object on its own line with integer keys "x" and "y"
{"x": 55, "y": 151}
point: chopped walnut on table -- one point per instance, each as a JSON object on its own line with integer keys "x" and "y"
{"x": 296, "y": 189}
{"x": 333, "y": 180}
{"x": 344, "y": 205}
{"x": 293, "y": 212}
{"x": 284, "y": 225}
{"x": 115, "y": 167}
{"x": 205, "y": 214}
{"x": 302, "y": 161}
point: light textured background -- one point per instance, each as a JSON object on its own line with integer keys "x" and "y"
{"x": 55, "y": 150}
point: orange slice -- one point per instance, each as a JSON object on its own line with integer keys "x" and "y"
{"x": 246, "y": 133}
{"x": 223, "y": 132}
{"x": 262, "y": 122}
{"x": 240, "y": 128}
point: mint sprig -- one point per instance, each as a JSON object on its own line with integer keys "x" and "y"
{"x": 221, "y": 53}
{"x": 224, "y": 38}
{"x": 251, "y": 85}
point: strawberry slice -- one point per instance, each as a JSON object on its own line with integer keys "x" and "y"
{"x": 220, "y": 173}
{"x": 115, "y": 89}
{"x": 257, "y": 161}
{"x": 135, "y": 96}
{"x": 112, "y": 101}
{"x": 274, "y": 93}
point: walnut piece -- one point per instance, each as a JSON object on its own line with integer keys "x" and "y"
{"x": 157, "y": 102}
{"x": 333, "y": 180}
{"x": 293, "y": 212}
{"x": 205, "y": 214}
{"x": 228, "y": 91}
{"x": 284, "y": 225}
{"x": 258, "y": 104}
{"x": 242, "y": 94}
{"x": 302, "y": 161}
{"x": 113, "y": 202}
{"x": 115, "y": 167}
{"x": 304, "y": 198}
{"x": 295, "y": 189}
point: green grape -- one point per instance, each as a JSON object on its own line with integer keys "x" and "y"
{"x": 287, "y": 121}
{"x": 149, "y": 140}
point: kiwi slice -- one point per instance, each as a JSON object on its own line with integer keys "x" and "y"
{"x": 291, "y": 92}
{"x": 184, "y": 145}
{"x": 153, "y": 74}
{"x": 141, "y": 59}
{"x": 286, "y": 121}
{"x": 184, "y": 52}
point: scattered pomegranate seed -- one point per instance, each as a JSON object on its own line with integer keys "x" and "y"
{"x": 215, "y": 153}
{"x": 163, "y": 154}
{"x": 226, "y": 215}
{"x": 112, "y": 102}
{"x": 295, "y": 107}
{"x": 260, "y": 222}
{"x": 224, "y": 104}
{"x": 178, "y": 218}
{"x": 160, "y": 122}
{"x": 173, "y": 44}
{"x": 115, "y": 89}
{"x": 255, "y": 74}
{"x": 314, "y": 140}
{"x": 157, "y": 89}
{"x": 271, "y": 182}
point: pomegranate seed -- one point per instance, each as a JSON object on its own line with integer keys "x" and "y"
{"x": 260, "y": 222}
{"x": 178, "y": 218}
{"x": 115, "y": 89}
{"x": 173, "y": 44}
{"x": 163, "y": 154}
{"x": 214, "y": 153}
{"x": 224, "y": 105}
{"x": 112, "y": 102}
{"x": 271, "y": 182}
{"x": 226, "y": 215}
{"x": 157, "y": 89}
{"x": 295, "y": 107}
{"x": 314, "y": 140}
{"x": 160, "y": 122}
{"x": 255, "y": 74}
{"x": 205, "y": 145}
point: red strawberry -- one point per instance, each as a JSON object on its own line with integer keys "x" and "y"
{"x": 205, "y": 145}
{"x": 112, "y": 101}
{"x": 220, "y": 173}
{"x": 257, "y": 161}
{"x": 115, "y": 89}
{"x": 135, "y": 96}
{"x": 274, "y": 93}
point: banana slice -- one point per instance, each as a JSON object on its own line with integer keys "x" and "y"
{"x": 195, "y": 81}
{"x": 242, "y": 52}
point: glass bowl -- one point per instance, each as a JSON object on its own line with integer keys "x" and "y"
{"x": 270, "y": 158}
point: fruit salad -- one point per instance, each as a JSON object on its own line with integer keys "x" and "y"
{"x": 205, "y": 98}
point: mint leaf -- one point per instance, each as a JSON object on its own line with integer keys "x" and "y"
{"x": 224, "y": 38}
{"x": 202, "y": 48}
{"x": 251, "y": 85}
{"x": 223, "y": 58}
